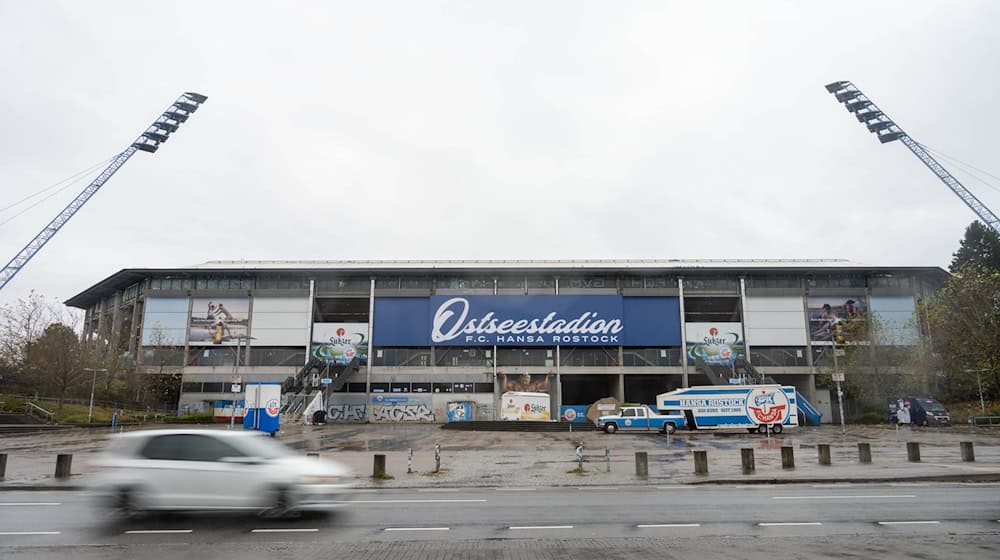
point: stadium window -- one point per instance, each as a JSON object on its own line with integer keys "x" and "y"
{"x": 465, "y": 387}
{"x": 712, "y": 310}
{"x": 482, "y": 387}
{"x": 443, "y": 388}
{"x": 399, "y": 387}
{"x": 420, "y": 387}
{"x": 380, "y": 387}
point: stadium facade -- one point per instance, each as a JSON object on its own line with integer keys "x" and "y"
{"x": 428, "y": 340}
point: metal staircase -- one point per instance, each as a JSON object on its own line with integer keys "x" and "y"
{"x": 298, "y": 389}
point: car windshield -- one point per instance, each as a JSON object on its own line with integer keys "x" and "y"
{"x": 264, "y": 447}
{"x": 932, "y": 405}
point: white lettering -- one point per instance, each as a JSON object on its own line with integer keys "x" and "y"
{"x": 451, "y": 320}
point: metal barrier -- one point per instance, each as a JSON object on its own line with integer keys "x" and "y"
{"x": 32, "y": 408}
{"x": 984, "y": 420}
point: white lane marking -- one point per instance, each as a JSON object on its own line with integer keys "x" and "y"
{"x": 364, "y": 491}
{"x": 791, "y": 524}
{"x": 410, "y": 501}
{"x": 438, "y": 490}
{"x": 843, "y": 497}
{"x": 11, "y": 533}
{"x": 416, "y": 529}
{"x": 284, "y": 530}
{"x": 526, "y": 527}
{"x": 909, "y": 522}
{"x": 6, "y": 504}
{"x": 158, "y": 531}
{"x": 657, "y": 525}
{"x": 677, "y": 487}
{"x": 596, "y": 488}
{"x": 516, "y": 489}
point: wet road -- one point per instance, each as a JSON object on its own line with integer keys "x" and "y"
{"x": 789, "y": 519}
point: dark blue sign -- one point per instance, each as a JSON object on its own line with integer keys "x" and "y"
{"x": 573, "y": 320}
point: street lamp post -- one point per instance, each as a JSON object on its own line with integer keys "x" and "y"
{"x": 93, "y": 385}
{"x": 236, "y": 378}
{"x": 838, "y": 376}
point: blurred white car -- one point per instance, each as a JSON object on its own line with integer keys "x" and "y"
{"x": 214, "y": 470}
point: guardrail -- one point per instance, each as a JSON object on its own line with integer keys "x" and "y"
{"x": 32, "y": 408}
{"x": 984, "y": 420}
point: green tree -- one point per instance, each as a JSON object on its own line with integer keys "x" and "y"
{"x": 964, "y": 325}
{"x": 59, "y": 359}
{"x": 980, "y": 249}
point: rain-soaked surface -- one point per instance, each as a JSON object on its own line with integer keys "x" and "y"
{"x": 531, "y": 458}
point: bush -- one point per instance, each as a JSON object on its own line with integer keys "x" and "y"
{"x": 198, "y": 418}
{"x": 871, "y": 418}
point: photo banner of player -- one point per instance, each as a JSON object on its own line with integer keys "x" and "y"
{"x": 219, "y": 321}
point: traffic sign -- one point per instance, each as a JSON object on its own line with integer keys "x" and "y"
{"x": 838, "y": 376}
{"x": 236, "y": 388}
{"x": 326, "y": 381}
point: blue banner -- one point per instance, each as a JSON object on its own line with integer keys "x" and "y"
{"x": 483, "y": 320}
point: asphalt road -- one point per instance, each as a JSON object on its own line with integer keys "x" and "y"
{"x": 760, "y": 521}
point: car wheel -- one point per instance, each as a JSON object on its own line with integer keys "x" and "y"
{"x": 669, "y": 428}
{"x": 281, "y": 504}
{"x": 125, "y": 506}
{"x": 762, "y": 428}
{"x": 777, "y": 428}
{"x": 610, "y": 428}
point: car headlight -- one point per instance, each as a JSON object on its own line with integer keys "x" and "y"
{"x": 321, "y": 479}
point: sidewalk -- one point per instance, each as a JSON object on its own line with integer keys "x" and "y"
{"x": 504, "y": 459}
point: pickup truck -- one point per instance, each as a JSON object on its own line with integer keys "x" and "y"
{"x": 640, "y": 418}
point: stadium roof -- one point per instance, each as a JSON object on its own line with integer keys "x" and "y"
{"x": 129, "y": 276}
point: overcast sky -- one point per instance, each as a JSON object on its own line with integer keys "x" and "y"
{"x": 489, "y": 130}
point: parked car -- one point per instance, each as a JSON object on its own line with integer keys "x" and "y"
{"x": 922, "y": 411}
{"x": 214, "y": 470}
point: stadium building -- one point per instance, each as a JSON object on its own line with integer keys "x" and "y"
{"x": 437, "y": 340}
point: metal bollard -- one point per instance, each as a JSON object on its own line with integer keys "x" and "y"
{"x": 64, "y": 464}
{"x": 824, "y": 453}
{"x": 746, "y": 460}
{"x": 378, "y": 469}
{"x": 579, "y": 456}
{"x": 968, "y": 454}
{"x": 437, "y": 457}
{"x": 865, "y": 453}
{"x": 607, "y": 457}
{"x": 913, "y": 452}
{"x": 409, "y": 460}
{"x": 701, "y": 462}
{"x": 641, "y": 464}
{"x": 3, "y": 465}
{"x": 787, "y": 457}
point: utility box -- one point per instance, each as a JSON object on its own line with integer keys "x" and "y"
{"x": 262, "y": 410}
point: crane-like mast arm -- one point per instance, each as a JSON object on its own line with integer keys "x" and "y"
{"x": 970, "y": 200}
{"x": 149, "y": 141}
{"x": 886, "y": 130}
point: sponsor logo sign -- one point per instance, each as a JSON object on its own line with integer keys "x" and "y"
{"x": 526, "y": 320}
{"x": 715, "y": 343}
{"x": 340, "y": 343}
{"x": 272, "y": 407}
{"x": 767, "y": 406}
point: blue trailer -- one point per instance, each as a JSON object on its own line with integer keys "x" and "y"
{"x": 755, "y": 408}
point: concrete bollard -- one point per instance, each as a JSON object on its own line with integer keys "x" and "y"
{"x": 641, "y": 464}
{"x": 701, "y": 462}
{"x": 787, "y": 457}
{"x": 437, "y": 457}
{"x": 865, "y": 453}
{"x": 746, "y": 460}
{"x": 64, "y": 464}
{"x": 913, "y": 452}
{"x": 3, "y": 465}
{"x": 968, "y": 454}
{"x": 824, "y": 453}
{"x": 378, "y": 469}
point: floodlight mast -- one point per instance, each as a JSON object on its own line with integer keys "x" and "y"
{"x": 149, "y": 141}
{"x": 887, "y": 130}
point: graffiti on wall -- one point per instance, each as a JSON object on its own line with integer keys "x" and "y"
{"x": 397, "y": 408}
{"x": 346, "y": 413}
